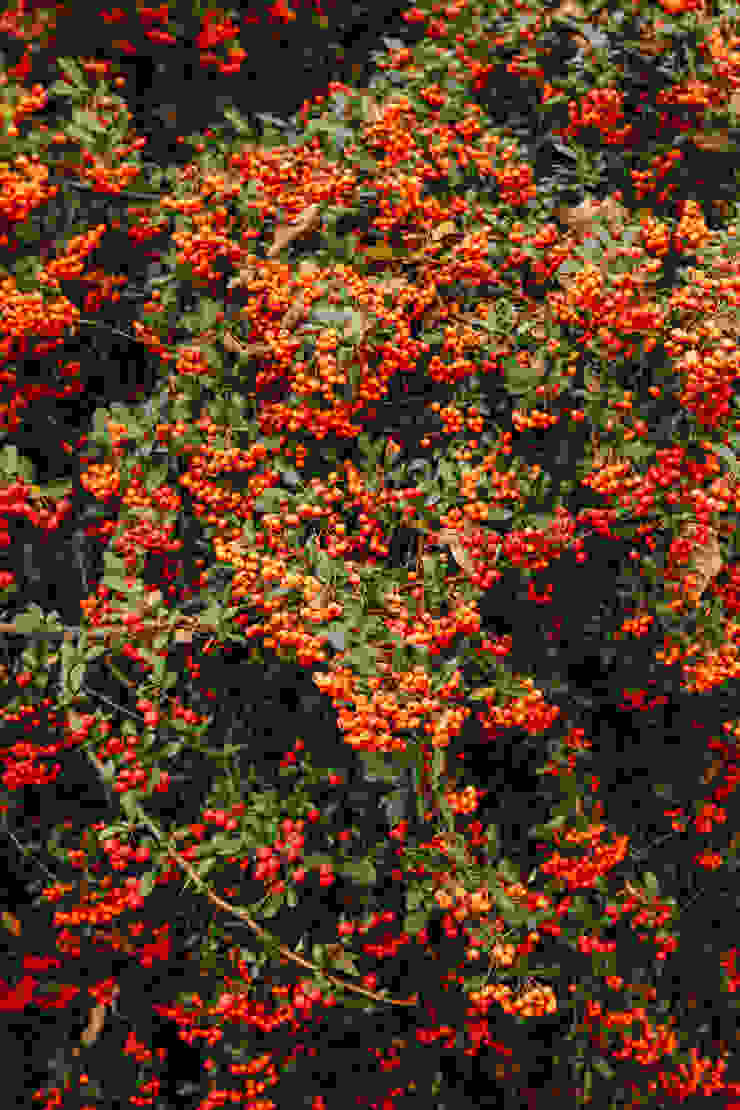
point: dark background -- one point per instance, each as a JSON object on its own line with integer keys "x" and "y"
{"x": 170, "y": 94}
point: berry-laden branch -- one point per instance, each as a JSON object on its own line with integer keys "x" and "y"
{"x": 242, "y": 914}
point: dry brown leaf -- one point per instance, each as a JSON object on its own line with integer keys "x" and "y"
{"x": 603, "y": 455}
{"x": 651, "y": 43}
{"x": 582, "y": 221}
{"x": 295, "y": 313}
{"x": 307, "y": 221}
{"x": 94, "y": 1026}
{"x": 716, "y": 141}
{"x": 231, "y": 343}
{"x": 452, "y": 537}
{"x": 238, "y": 348}
{"x": 582, "y": 218}
{"x": 243, "y": 278}
{"x": 443, "y": 231}
{"x": 707, "y": 560}
{"x": 433, "y": 313}
{"x": 713, "y": 770}
{"x": 373, "y": 108}
{"x": 392, "y": 284}
{"x": 307, "y": 268}
{"x": 572, "y": 10}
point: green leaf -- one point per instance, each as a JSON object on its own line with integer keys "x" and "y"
{"x": 269, "y": 500}
{"x": 545, "y": 832}
{"x": 156, "y": 477}
{"x": 128, "y": 804}
{"x": 71, "y": 70}
{"x": 203, "y": 868}
{"x": 273, "y": 905}
{"x": 147, "y": 883}
{"x": 379, "y": 766}
{"x": 732, "y": 461}
{"x": 10, "y": 460}
{"x": 362, "y": 871}
{"x": 324, "y": 566}
{"x": 212, "y": 615}
{"x": 60, "y": 88}
{"x": 415, "y": 922}
{"x": 86, "y": 118}
{"x": 116, "y": 582}
{"x": 549, "y": 972}
{"x": 583, "y": 912}
{"x": 315, "y": 861}
{"x": 56, "y": 490}
{"x": 83, "y": 135}
{"x": 318, "y": 952}
{"x": 508, "y": 869}
{"x": 483, "y": 692}
{"x": 73, "y": 668}
{"x": 651, "y": 884}
{"x": 356, "y": 325}
{"x": 113, "y": 562}
{"x": 415, "y": 896}
{"x": 28, "y": 623}
{"x": 241, "y": 126}
{"x": 602, "y": 1067}
{"x": 437, "y": 765}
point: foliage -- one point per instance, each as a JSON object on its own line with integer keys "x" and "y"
{"x": 421, "y": 484}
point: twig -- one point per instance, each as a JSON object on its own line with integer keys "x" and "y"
{"x": 23, "y": 851}
{"x": 112, "y": 704}
{"x": 124, "y": 194}
{"x": 79, "y": 557}
{"x": 71, "y": 632}
{"x": 68, "y": 632}
{"x": 109, "y": 327}
{"x": 101, "y": 775}
{"x": 283, "y": 950}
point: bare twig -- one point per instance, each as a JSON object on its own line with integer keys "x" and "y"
{"x": 287, "y": 953}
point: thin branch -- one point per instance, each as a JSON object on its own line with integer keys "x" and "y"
{"x": 644, "y": 852}
{"x": 71, "y": 632}
{"x": 287, "y": 953}
{"x": 112, "y": 704}
{"x": 101, "y": 775}
{"x": 109, "y": 327}
{"x": 24, "y": 852}
{"x": 153, "y": 198}
{"x": 68, "y": 632}
{"x": 79, "y": 557}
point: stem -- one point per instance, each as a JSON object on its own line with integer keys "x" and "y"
{"x": 71, "y": 632}
{"x": 25, "y": 851}
{"x": 244, "y": 916}
{"x": 102, "y": 324}
{"x": 153, "y": 197}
